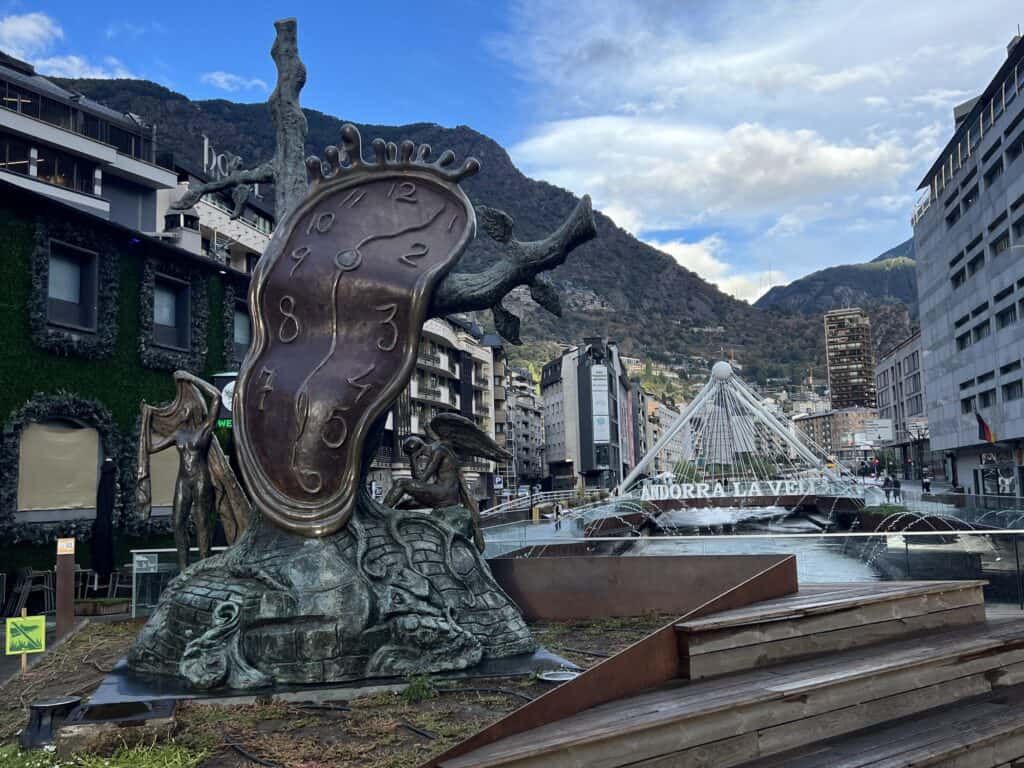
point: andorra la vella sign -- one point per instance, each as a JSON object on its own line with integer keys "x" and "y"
{"x": 662, "y": 491}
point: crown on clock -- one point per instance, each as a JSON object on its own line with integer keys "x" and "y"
{"x": 387, "y": 156}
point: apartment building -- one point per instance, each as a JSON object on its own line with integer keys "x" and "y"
{"x": 211, "y": 227}
{"x": 899, "y": 382}
{"x": 60, "y": 144}
{"x": 659, "y": 418}
{"x": 969, "y": 239}
{"x": 525, "y": 432}
{"x": 840, "y": 433}
{"x": 850, "y": 358}
{"x": 590, "y": 417}
{"x": 454, "y": 374}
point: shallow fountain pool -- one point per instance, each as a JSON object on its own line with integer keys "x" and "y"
{"x": 817, "y": 559}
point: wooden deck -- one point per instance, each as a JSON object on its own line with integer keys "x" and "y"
{"x": 827, "y": 675}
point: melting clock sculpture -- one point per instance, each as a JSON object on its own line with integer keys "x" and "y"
{"x": 325, "y": 584}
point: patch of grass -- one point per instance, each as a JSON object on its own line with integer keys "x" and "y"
{"x": 145, "y": 756}
{"x": 12, "y": 757}
{"x": 140, "y": 756}
{"x": 419, "y": 688}
{"x": 884, "y": 509}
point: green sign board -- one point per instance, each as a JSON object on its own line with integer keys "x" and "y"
{"x": 26, "y": 635}
{"x": 224, "y": 423}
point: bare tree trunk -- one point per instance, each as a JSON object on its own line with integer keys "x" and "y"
{"x": 290, "y": 182}
{"x": 287, "y": 169}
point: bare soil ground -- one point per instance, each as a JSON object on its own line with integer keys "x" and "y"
{"x": 380, "y": 731}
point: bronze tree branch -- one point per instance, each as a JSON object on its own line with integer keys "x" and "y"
{"x": 521, "y": 264}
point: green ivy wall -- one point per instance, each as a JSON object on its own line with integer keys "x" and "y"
{"x": 119, "y": 381}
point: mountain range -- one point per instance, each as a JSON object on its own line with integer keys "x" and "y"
{"x": 615, "y": 286}
{"x": 888, "y": 278}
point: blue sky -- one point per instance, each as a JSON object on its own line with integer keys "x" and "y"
{"x": 754, "y": 142}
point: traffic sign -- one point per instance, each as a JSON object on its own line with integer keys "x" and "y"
{"x": 26, "y": 634}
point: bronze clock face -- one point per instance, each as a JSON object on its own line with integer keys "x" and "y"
{"x": 338, "y": 303}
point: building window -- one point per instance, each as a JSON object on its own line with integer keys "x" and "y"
{"x": 1013, "y": 391}
{"x": 987, "y": 398}
{"x": 1007, "y": 317}
{"x": 1015, "y": 147}
{"x": 58, "y": 464}
{"x": 21, "y": 100}
{"x": 958, "y": 279}
{"x": 975, "y": 264}
{"x": 14, "y": 156}
{"x": 242, "y": 330}
{"x": 986, "y": 377}
{"x": 970, "y": 198}
{"x": 1000, "y": 244}
{"x": 55, "y": 113}
{"x": 72, "y": 290}
{"x": 1010, "y": 368}
{"x": 967, "y": 405}
{"x": 963, "y": 341}
{"x": 171, "y": 319}
{"x": 994, "y": 172}
{"x": 178, "y": 220}
{"x": 982, "y": 330}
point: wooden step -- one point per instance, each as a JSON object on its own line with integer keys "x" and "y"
{"x": 825, "y": 619}
{"x": 724, "y": 721}
{"x": 983, "y": 732}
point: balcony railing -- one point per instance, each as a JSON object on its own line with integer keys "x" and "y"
{"x": 430, "y": 359}
{"x": 384, "y": 457}
{"x": 971, "y": 137}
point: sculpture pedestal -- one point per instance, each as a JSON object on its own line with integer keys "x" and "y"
{"x": 393, "y": 593}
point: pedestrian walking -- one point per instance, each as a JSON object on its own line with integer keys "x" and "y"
{"x": 926, "y": 483}
{"x": 887, "y": 487}
{"x": 896, "y": 488}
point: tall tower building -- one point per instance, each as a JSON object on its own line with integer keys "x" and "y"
{"x": 851, "y": 360}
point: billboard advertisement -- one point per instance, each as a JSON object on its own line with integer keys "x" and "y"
{"x": 599, "y": 403}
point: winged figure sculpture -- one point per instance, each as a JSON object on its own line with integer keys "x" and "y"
{"x": 437, "y": 475}
{"x": 205, "y": 481}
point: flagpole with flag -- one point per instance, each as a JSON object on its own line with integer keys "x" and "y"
{"x": 985, "y": 432}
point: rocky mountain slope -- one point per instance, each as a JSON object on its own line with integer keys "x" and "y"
{"x": 886, "y": 279}
{"x": 614, "y": 286}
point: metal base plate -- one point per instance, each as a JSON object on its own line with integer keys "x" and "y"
{"x": 122, "y": 685}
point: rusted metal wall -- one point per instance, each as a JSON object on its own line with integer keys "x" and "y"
{"x": 575, "y": 587}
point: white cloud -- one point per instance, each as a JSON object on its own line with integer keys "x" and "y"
{"x": 32, "y": 36}
{"x": 76, "y": 66}
{"x": 28, "y": 34}
{"x": 227, "y": 81}
{"x": 796, "y": 221}
{"x": 124, "y": 29}
{"x": 702, "y": 257}
{"x": 941, "y": 98}
{"x": 670, "y": 174}
{"x": 743, "y": 117}
{"x": 891, "y": 203}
